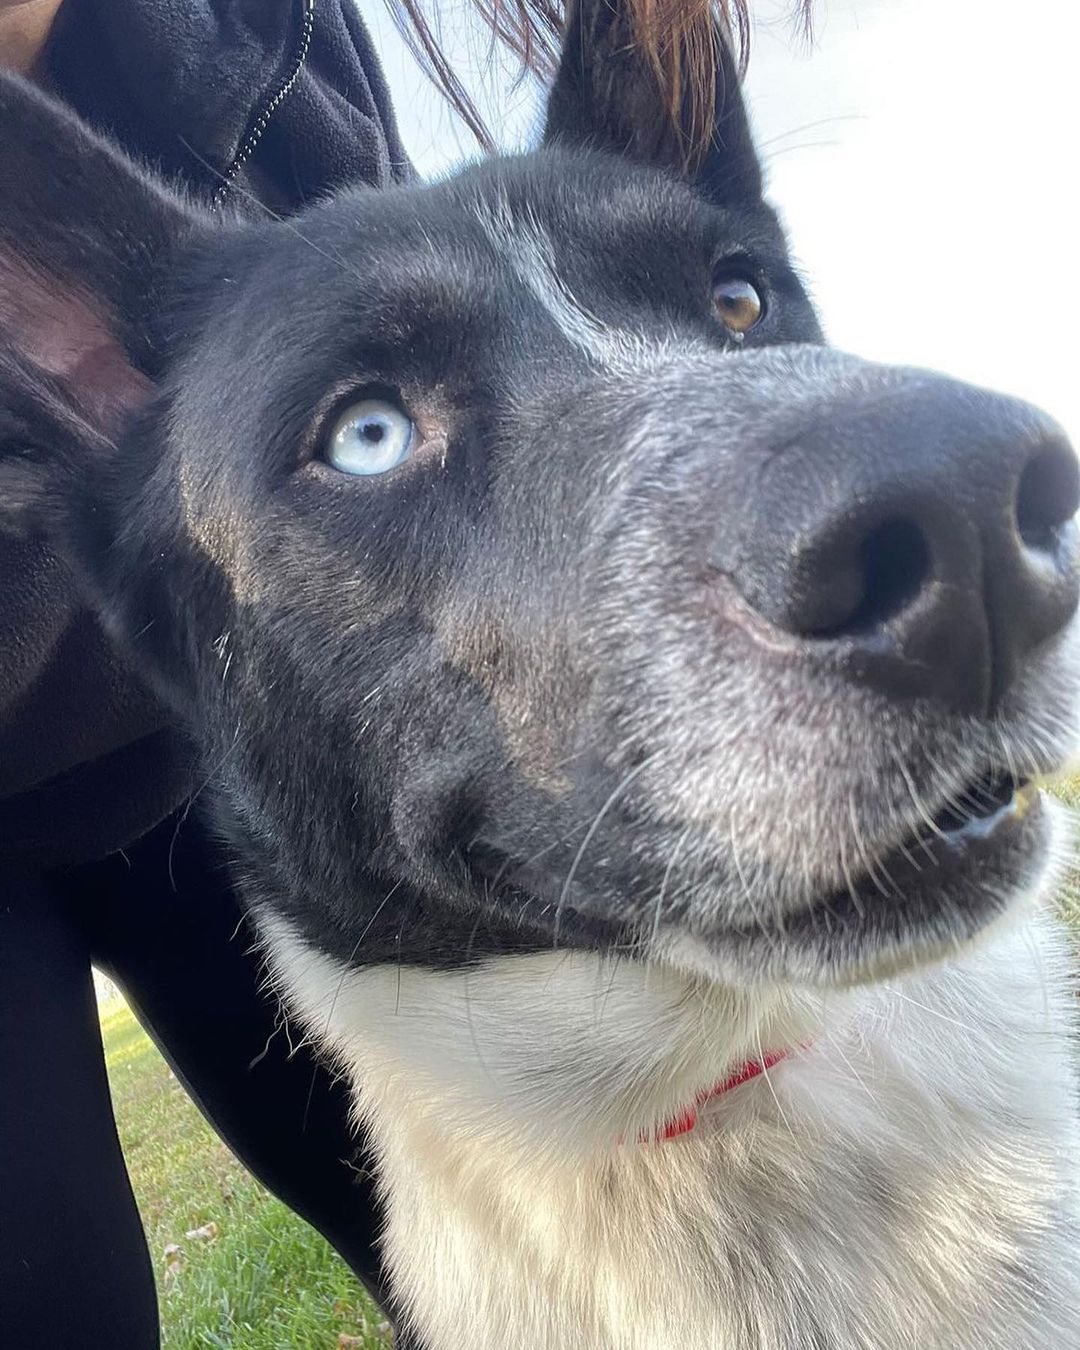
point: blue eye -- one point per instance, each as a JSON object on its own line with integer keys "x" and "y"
{"x": 370, "y": 437}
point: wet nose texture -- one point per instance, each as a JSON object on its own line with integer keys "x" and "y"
{"x": 922, "y": 534}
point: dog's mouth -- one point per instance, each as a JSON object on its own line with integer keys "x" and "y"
{"x": 931, "y": 894}
{"x": 985, "y": 814}
{"x": 983, "y": 805}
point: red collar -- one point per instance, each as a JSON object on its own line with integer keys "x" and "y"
{"x": 686, "y": 1119}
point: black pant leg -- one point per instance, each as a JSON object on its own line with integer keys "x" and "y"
{"x": 74, "y": 1267}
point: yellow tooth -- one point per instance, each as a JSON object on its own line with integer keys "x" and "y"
{"x": 1024, "y": 799}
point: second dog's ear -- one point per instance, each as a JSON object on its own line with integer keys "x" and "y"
{"x": 608, "y": 95}
{"x": 85, "y": 238}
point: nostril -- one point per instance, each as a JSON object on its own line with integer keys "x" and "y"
{"x": 896, "y": 565}
{"x": 887, "y": 570}
{"x": 1048, "y": 494}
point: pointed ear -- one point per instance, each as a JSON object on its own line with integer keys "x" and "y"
{"x": 607, "y": 95}
{"x": 86, "y": 239}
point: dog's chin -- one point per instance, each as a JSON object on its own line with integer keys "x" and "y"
{"x": 930, "y": 898}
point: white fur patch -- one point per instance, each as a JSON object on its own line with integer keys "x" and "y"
{"x": 527, "y": 247}
{"x": 909, "y": 1180}
{"x": 561, "y": 1051}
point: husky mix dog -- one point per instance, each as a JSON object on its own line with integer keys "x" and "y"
{"x": 626, "y": 713}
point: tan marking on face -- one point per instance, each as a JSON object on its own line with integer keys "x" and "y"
{"x": 520, "y": 691}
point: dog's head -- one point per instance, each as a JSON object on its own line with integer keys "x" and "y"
{"x": 526, "y": 568}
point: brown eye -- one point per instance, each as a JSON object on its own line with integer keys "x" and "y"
{"x": 738, "y": 304}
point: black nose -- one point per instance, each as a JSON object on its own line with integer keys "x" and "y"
{"x": 924, "y": 531}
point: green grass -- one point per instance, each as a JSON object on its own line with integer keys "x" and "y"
{"x": 266, "y": 1281}
{"x": 1070, "y": 892}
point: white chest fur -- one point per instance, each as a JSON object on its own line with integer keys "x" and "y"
{"x": 908, "y": 1180}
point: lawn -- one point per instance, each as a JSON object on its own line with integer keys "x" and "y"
{"x": 256, "y": 1277}
{"x": 1070, "y": 893}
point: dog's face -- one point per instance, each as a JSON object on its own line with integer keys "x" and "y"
{"x": 528, "y": 571}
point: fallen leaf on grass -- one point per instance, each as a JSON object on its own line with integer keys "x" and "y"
{"x": 174, "y": 1260}
{"x": 207, "y": 1233}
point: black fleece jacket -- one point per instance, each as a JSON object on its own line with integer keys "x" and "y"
{"x": 88, "y": 761}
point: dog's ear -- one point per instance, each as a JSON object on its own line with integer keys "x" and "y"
{"x": 607, "y": 95}
{"x": 85, "y": 240}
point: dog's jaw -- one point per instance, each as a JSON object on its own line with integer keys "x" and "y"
{"x": 920, "y": 1143}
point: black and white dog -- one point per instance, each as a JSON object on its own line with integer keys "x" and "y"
{"x": 628, "y": 715}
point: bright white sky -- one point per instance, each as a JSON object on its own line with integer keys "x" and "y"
{"x": 920, "y": 152}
